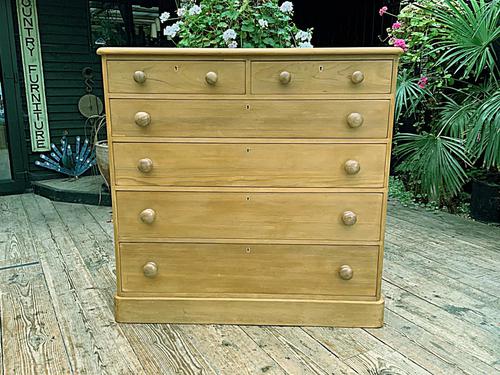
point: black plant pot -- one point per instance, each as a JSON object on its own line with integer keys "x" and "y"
{"x": 485, "y": 201}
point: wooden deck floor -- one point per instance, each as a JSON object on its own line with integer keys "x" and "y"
{"x": 57, "y": 280}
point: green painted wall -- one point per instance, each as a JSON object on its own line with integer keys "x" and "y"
{"x": 66, "y": 50}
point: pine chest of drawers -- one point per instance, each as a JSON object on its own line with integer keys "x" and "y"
{"x": 249, "y": 186}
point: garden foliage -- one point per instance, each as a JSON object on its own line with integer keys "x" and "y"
{"x": 448, "y": 89}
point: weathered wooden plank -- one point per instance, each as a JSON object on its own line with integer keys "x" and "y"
{"x": 159, "y": 348}
{"x": 470, "y": 304}
{"x": 421, "y": 261}
{"x": 86, "y": 323}
{"x": 16, "y": 243}
{"x": 31, "y": 340}
{"x": 443, "y": 246}
{"x": 229, "y": 350}
{"x": 466, "y": 336}
{"x": 296, "y": 351}
{"x": 363, "y": 352}
{"x": 448, "y": 225}
{"x": 432, "y": 352}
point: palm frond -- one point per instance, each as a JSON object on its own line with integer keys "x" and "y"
{"x": 470, "y": 29}
{"x": 435, "y": 161}
{"x": 408, "y": 94}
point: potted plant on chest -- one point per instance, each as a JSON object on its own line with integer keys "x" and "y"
{"x": 233, "y": 23}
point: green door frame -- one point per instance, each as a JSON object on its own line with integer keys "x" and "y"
{"x": 13, "y": 104}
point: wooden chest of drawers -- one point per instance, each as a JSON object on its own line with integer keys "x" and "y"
{"x": 249, "y": 186}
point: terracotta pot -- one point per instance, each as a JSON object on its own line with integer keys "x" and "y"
{"x": 102, "y": 156}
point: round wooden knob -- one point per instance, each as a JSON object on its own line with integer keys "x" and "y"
{"x": 145, "y": 165}
{"x": 355, "y": 120}
{"x": 148, "y": 216}
{"x": 357, "y": 77}
{"x": 352, "y": 166}
{"x": 142, "y": 119}
{"x": 349, "y": 218}
{"x": 285, "y": 77}
{"x": 150, "y": 269}
{"x": 139, "y": 76}
{"x": 211, "y": 78}
{"x": 345, "y": 272}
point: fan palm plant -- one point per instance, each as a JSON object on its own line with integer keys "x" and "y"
{"x": 465, "y": 127}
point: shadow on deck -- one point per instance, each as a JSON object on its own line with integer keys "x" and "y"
{"x": 57, "y": 280}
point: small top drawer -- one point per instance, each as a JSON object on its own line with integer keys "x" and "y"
{"x": 321, "y": 77}
{"x": 176, "y": 77}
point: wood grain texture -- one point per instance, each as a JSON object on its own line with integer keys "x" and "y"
{"x": 193, "y": 269}
{"x": 249, "y": 164}
{"x": 417, "y": 334}
{"x": 30, "y": 330}
{"x": 16, "y": 243}
{"x": 85, "y": 323}
{"x": 225, "y": 118}
{"x": 253, "y": 215}
{"x": 179, "y": 77}
{"x": 243, "y": 311}
{"x": 321, "y": 77}
{"x": 217, "y": 53}
{"x": 190, "y": 173}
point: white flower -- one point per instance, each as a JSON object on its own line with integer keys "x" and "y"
{"x": 164, "y": 17}
{"x": 305, "y": 45}
{"x": 303, "y": 36}
{"x": 228, "y": 35}
{"x": 263, "y": 24}
{"x": 172, "y": 30}
{"x": 287, "y": 7}
{"x": 233, "y": 44}
{"x": 195, "y": 9}
{"x": 181, "y": 12}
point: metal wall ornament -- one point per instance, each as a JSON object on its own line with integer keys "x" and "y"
{"x": 66, "y": 161}
{"x": 89, "y": 105}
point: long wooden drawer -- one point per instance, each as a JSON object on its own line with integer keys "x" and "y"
{"x": 250, "y": 118}
{"x": 321, "y": 77}
{"x": 176, "y": 77}
{"x": 250, "y": 164}
{"x": 249, "y": 215}
{"x": 222, "y": 269}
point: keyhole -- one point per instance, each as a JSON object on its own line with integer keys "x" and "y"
{"x": 248, "y": 198}
{"x": 247, "y": 107}
{"x": 176, "y": 68}
{"x": 321, "y": 68}
{"x": 248, "y": 150}
{"x": 247, "y": 250}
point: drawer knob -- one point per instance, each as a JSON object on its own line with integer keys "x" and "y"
{"x": 145, "y": 165}
{"x": 349, "y": 218}
{"x": 139, "y": 76}
{"x": 357, "y": 77}
{"x": 345, "y": 272}
{"x": 142, "y": 119}
{"x": 150, "y": 269}
{"x": 352, "y": 167}
{"x": 355, "y": 120}
{"x": 148, "y": 216}
{"x": 211, "y": 78}
{"x": 285, "y": 77}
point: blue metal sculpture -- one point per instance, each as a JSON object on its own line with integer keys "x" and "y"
{"x": 67, "y": 162}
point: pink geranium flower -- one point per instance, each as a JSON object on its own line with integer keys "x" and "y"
{"x": 401, "y": 44}
{"x": 382, "y": 10}
{"x": 422, "y": 82}
{"x": 396, "y": 25}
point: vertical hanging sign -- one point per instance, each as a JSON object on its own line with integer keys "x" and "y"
{"x": 33, "y": 74}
